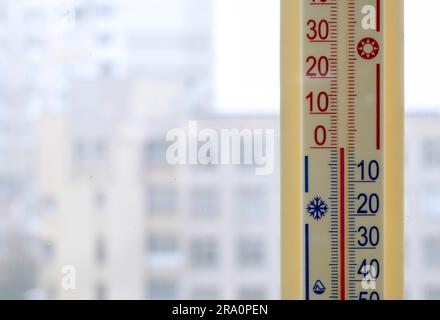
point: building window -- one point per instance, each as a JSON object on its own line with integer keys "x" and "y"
{"x": 205, "y": 203}
{"x": 48, "y": 250}
{"x": 104, "y": 39}
{"x": 162, "y": 245}
{"x": 80, "y": 13}
{"x": 106, "y": 69}
{"x": 8, "y": 187}
{"x": 101, "y": 292}
{"x": 250, "y": 252}
{"x": 205, "y": 293}
{"x": 432, "y": 252}
{"x": 162, "y": 289}
{"x": 162, "y": 200}
{"x": 79, "y": 152}
{"x": 101, "y": 252}
{"x": 204, "y": 253}
{"x": 431, "y": 152}
{"x": 252, "y": 293}
{"x": 429, "y": 204}
{"x": 432, "y": 293}
{"x": 155, "y": 153}
{"x": 101, "y": 150}
{"x": 90, "y": 155}
{"x": 99, "y": 201}
{"x": 105, "y": 11}
{"x": 49, "y": 205}
{"x": 251, "y": 203}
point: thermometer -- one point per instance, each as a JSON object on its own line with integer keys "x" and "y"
{"x": 342, "y": 149}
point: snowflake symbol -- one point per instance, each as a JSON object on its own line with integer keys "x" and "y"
{"x": 317, "y": 208}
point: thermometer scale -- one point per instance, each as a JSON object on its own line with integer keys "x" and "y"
{"x": 342, "y": 149}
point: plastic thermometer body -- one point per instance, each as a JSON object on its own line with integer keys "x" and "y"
{"x": 342, "y": 149}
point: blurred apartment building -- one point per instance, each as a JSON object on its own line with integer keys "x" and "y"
{"x": 39, "y": 55}
{"x": 23, "y": 90}
{"x": 111, "y": 207}
{"x": 135, "y": 227}
{"x": 86, "y": 99}
{"x": 422, "y": 201}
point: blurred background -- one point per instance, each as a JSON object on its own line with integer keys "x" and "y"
{"x": 89, "y": 90}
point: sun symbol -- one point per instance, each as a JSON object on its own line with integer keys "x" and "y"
{"x": 317, "y": 208}
{"x": 368, "y": 48}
